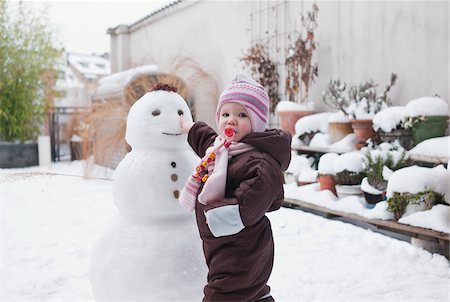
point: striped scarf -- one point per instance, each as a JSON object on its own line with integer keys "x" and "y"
{"x": 211, "y": 173}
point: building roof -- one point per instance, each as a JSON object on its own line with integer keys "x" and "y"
{"x": 164, "y": 9}
{"x": 89, "y": 65}
{"x": 113, "y": 86}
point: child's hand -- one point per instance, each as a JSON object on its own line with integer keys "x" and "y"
{"x": 185, "y": 126}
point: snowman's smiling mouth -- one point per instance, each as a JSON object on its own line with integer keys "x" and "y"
{"x": 165, "y": 133}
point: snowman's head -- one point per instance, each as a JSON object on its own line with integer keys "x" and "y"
{"x": 154, "y": 121}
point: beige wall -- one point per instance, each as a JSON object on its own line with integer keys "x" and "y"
{"x": 357, "y": 40}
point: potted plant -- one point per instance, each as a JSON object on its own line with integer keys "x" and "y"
{"x": 378, "y": 163}
{"x": 264, "y": 70}
{"x": 427, "y": 117}
{"x": 416, "y": 188}
{"x": 300, "y": 74}
{"x": 389, "y": 126}
{"x": 349, "y": 173}
{"x": 326, "y": 172}
{"x": 27, "y": 58}
{"x": 361, "y": 105}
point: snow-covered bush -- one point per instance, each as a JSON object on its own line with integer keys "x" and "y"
{"x": 362, "y": 102}
{"x": 416, "y": 186}
{"x": 381, "y": 160}
{"x": 308, "y": 126}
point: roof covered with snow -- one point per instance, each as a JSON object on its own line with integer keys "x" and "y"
{"x": 113, "y": 86}
{"x": 89, "y": 65}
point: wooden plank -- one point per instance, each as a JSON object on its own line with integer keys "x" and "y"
{"x": 429, "y": 159}
{"x": 385, "y": 224}
{"x": 320, "y": 150}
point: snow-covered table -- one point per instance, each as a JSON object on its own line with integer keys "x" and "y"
{"x": 351, "y": 209}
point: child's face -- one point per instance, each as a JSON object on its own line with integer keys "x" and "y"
{"x": 235, "y": 116}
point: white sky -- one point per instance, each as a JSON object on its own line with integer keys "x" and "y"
{"x": 83, "y": 24}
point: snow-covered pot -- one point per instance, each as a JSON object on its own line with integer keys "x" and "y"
{"x": 403, "y": 136}
{"x": 327, "y": 183}
{"x": 371, "y": 195}
{"x": 388, "y": 125}
{"x": 429, "y": 127}
{"x": 428, "y": 118}
{"x": 326, "y": 172}
{"x": 363, "y": 131}
{"x": 289, "y": 113}
{"x": 348, "y": 168}
{"x": 348, "y": 190}
{"x": 339, "y": 130}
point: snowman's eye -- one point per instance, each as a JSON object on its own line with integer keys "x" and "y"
{"x": 180, "y": 112}
{"x": 156, "y": 112}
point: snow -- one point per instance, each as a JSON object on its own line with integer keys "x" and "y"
{"x": 312, "y": 123}
{"x": 351, "y": 161}
{"x": 366, "y": 187}
{"x": 320, "y": 140}
{"x": 389, "y": 118}
{"x": 347, "y": 143}
{"x": 291, "y": 106}
{"x": 338, "y": 117}
{"x": 433, "y": 147}
{"x": 49, "y": 228}
{"x": 438, "y": 218}
{"x": 416, "y": 179}
{"x": 427, "y": 106}
{"x": 326, "y": 163}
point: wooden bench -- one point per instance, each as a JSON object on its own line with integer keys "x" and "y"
{"x": 438, "y": 240}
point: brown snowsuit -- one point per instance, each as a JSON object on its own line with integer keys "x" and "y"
{"x": 240, "y": 264}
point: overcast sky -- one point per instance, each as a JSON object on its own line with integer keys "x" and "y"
{"x": 83, "y": 24}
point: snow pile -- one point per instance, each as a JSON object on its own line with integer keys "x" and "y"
{"x": 312, "y": 123}
{"x": 438, "y": 218}
{"x": 320, "y": 140}
{"x": 389, "y": 118}
{"x": 350, "y": 161}
{"x": 291, "y": 106}
{"x": 426, "y": 106}
{"x": 416, "y": 179}
{"x": 347, "y": 143}
{"x": 433, "y": 147}
{"x": 297, "y": 165}
{"x": 326, "y": 163}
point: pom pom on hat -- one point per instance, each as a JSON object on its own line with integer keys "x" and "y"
{"x": 250, "y": 94}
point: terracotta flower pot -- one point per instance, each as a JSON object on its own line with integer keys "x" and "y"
{"x": 338, "y": 131}
{"x": 327, "y": 182}
{"x": 363, "y": 131}
{"x": 289, "y": 118}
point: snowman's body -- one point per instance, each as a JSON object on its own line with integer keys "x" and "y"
{"x": 151, "y": 251}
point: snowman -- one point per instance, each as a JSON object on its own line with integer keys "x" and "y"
{"x": 151, "y": 251}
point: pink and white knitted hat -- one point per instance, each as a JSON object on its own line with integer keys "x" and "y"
{"x": 252, "y": 96}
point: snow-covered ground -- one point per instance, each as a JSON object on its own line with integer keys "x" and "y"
{"x": 49, "y": 222}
